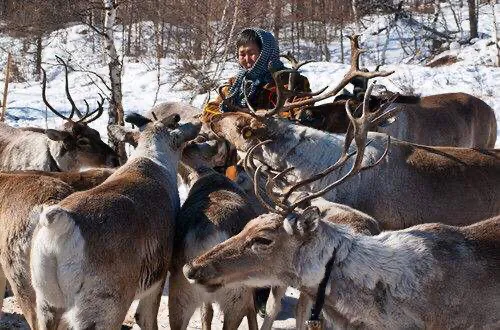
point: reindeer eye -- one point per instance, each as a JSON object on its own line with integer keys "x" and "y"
{"x": 246, "y": 132}
{"x": 83, "y": 142}
{"x": 262, "y": 241}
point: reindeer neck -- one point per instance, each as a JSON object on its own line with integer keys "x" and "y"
{"x": 392, "y": 260}
{"x": 316, "y": 252}
{"x": 164, "y": 157}
{"x": 194, "y": 173}
{"x": 56, "y": 155}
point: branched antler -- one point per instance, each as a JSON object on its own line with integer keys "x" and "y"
{"x": 89, "y": 115}
{"x": 354, "y": 71}
{"x": 357, "y": 131}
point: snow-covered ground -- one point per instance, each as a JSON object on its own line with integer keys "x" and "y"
{"x": 473, "y": 74}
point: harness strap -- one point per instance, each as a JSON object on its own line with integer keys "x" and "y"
{"x": 314, "y": 320}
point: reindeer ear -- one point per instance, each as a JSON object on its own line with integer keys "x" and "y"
{"x": 307, "y": 222}
{"x": 123, "y": 134}
{"x": 137, "y": 119}
{"x": 57, "y": 135}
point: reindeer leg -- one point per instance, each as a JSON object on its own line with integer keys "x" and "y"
{"x": 252, "y": 319}
{"x": 3, "y": 286}
{"x": 147, "y": 310}
{"x": 48, "y": 317}
{"x": 207, "y": 315}
{"x": 248, "y": 298}
{"x": 273, "y": 306}
{"x": 235, "y": 304}
{"x": 302, "y": 311}
{"x": 181, "y": 301}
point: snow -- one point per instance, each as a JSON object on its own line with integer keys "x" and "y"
{"x": 473, "y": 73}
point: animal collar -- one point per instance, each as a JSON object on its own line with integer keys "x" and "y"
{"x": 314, "y": 320}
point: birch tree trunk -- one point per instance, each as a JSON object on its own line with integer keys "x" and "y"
{"x": 115, "y": 110}
{"x": 494, "y": 33}
{"x": 355, "y": 13}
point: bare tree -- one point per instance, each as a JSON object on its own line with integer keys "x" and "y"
{"x": 115, "y": 74}
{"x": 494, "y": 33}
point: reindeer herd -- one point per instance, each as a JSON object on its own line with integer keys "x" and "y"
{"x": 377, "y": 227}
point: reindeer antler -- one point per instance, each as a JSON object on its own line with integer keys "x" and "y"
{"x": 282, "y": 94}
{"x": 357, "y": 131}
{"x": 293, "y": 60}
{"x": 88, "y": 117}
{"x": 354, "y": 71}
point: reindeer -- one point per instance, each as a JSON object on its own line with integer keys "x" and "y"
{"x": 401, "y": 279}
{"x": 449, "y": 119}
{"x": 96, "y": 251}
{"x": 22, "y": 193}
{"x": 423, "y": 180}
{"x": 335, "y": 213}
{"x": 70, "y": 148}
{"x": 215, "y": 209}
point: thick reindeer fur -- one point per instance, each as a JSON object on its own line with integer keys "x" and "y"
{"x": 427, "y": 276}
{"x": 75, "y": 147}
{"x": 335, "y": 213}
{"x": 413, "y": 184}
{"x": 21, "y": 197}
{"x": 97, "y": 250}
{"x": 214, "y": 210}
{"x": 78, "y": 180}
{"x": 450, "y": 119}
{"x": 22, "y": 193}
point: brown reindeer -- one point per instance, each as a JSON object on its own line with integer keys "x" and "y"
{"x": 215, "y": 209}
{"x": 22, "y": 194}
{"x": 72, "y": 147}
{"x": 96, "y": 251}
{"x": 450, "y": 119}
{"x": 430, "y": 275}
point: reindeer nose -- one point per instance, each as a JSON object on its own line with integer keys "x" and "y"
{"x": 197, "y": 273}
{"x": 190, "y": 272}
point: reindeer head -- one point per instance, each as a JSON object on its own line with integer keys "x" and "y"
{"x": 208, "y": 153}
{"x": 243, "y": 130}
{"x": 263, "y": 254}
{"x": 80, "y": 146}
{"x": 161, "y": 136}
{"x": 76, "y": 144}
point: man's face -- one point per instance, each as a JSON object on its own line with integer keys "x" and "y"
{"x": 248, "y": 54}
